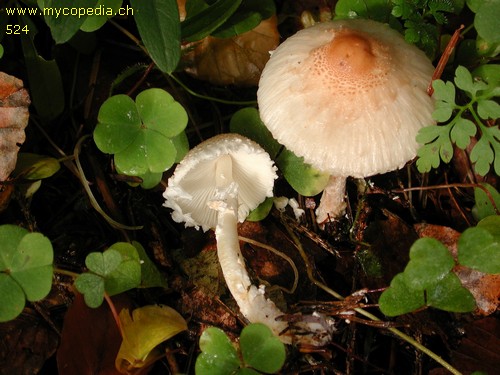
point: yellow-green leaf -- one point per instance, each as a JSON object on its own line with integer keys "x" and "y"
{"x": 143, "y": 331}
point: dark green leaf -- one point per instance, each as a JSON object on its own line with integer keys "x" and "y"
{"x": 261, "y": 349}
{"x": 430, "y": 261}
{"x": 118, "y": 124}
{"x": 486, "y": 21}
{"x": 103, "y": 263}
{"x": 303, "y": 178}
{"x": 378, "y": 10}
{"x": 161, "y": 113}
{"x": 159, "y": 26}
{"x": 148, "y": 152}
{"x": 128, "y": 273}
{"x": 46, "y": 88}
{"x": 479, "y": 247}
{"x": 399, "y": 298}
{"x": 448, "y": 294}
{"x": 64, "y": 26}
{"x": 92, "y": 288}
{"x": 484, "y": 205}
{"x": 150, "y": 276}
{"x": 96, "y": 21}
{"x": 12, "y": 300}
{"x": 247, "y": 122}
{"x": 261, "y": 211}
{"x": 218, "y": 355}
{"x": 208, "y": 20}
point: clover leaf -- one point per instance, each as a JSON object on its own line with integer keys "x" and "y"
{"x": 261, "y": 349}
{"x": 479, "y": 247}
{"x": 261, "y": 352}
{"x": 145, "y": 136}
{"x": 25, "y": 269}
{"x": 430, "y": 261}
{"x": 427, "y": 280}
{"x": 114, "y": 271}
{"x": 218, "y": 355}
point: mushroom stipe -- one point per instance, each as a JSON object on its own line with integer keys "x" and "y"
{"x": 216, "y": 185}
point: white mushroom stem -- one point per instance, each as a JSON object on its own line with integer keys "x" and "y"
{"x": 251, "y": 300}
{"x": 332, "y": 203}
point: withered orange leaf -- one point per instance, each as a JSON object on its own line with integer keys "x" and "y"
{"x": 14, "y": 102}
{"x": 233, "y": 61}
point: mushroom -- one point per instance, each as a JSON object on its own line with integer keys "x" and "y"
{"x": 216, "y": 185}
{"x": 349, "y": 96}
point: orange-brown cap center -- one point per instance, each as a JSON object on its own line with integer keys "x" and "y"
{"x": 351, "y": 52}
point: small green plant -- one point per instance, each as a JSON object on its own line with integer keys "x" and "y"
{"x": 484, "y": 205}
{"x": 25, "y": 269}
{"x": 428, "y": 280}
{"x": 146, "y": 136}
{"x": 123, "y": 266}
{"x": 416, "y": 15}
{"x": 114, "y": 271}
{"x": 457, "y": 128}
{"x": 259, "y": 352}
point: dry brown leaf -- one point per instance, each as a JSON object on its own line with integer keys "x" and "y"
{"x": 484, "y": 287}
{"x": 233, "y": 61}
{"x": 27, "y": 343}
{"x": 14, "y": 102}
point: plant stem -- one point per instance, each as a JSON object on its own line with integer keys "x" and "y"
{"x": 365, "y": 313}
{"x": 92, "y": 199}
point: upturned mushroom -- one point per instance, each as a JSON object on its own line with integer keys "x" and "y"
{"x": 349, "y": 96}
{"x": 215, "y": 186}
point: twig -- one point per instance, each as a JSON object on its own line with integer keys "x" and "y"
{"x": 365, "y": 313}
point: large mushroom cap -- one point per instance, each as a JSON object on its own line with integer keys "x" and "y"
{"x": 349, "y": 96}
{"x": 193, "y": 184}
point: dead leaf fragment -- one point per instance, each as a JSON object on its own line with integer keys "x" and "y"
{"x": 90, "y": 338}
{"x": 14, "y": 102}
{"x": 234, "y": 61}
{"x": 27, "y": 342}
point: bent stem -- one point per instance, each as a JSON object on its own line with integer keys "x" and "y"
{"x": 251, "y": 300}
{"x": 365, "y": 313}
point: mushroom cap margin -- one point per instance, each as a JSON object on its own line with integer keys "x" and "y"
{"x": 344, "y": 129}
{"x": 192, "y": 185}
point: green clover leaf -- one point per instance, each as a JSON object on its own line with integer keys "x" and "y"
{"x": 261, "y": 349}
{"x": 479, "y": 247}
{"x": 429, "y": 261}
{"x": 145, "y": 136}
{"x": 114, "y": 271}
{"x": 218, "y": 355}
{"x": 25, "y": 269}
